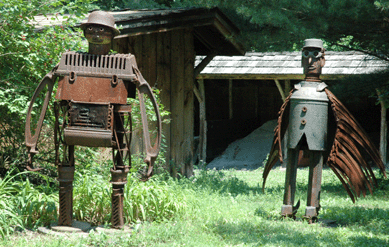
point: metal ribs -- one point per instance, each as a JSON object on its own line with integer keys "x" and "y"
{"x": 97, "y": 65}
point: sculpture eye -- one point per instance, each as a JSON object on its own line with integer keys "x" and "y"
{"x": 102, "y": 29}
{"x": 90, "y": 28}
{"x": 316, "y": 53}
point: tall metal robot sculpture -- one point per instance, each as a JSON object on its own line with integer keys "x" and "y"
{"x": 91, "y": 110}
{"x": 305, "y": 115}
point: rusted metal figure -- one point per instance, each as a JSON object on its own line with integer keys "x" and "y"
{"x": 91, "y": 110}
{"x": 305, "y": 115}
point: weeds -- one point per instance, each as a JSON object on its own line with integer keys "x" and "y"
{"x": 223, "y": 208}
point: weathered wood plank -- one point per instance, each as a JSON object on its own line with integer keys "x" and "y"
{"x": 188, "y": 113}
{"x": 203, "y": 124}
{"x": 153, "y": 59}
{"x": 120, "y": 45}
{"x": 163, "y": 83}
{"x": 265, "y": 76}
{"x": 137, "y": 51}
{"x": 146, "y": 59}
{"x": 177, "y": 98}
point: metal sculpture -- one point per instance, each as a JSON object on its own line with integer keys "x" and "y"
{"x": 305, "y": 115}
{"x": 91, "y": 110}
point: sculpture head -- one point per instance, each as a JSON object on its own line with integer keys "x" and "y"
{"x": 99, "y": 30}
{"x": 313, "y": 58}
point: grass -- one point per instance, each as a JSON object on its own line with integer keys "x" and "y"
{"x": 228, "y": 208}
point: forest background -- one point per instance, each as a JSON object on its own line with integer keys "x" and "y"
{"x": 26, "y": 54}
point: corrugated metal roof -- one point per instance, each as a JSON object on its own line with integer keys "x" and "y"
{"x": 287, "y": 65}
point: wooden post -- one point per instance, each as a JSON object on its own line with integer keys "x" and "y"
{"x": 288, "y": 87}
{"x": 383, "y": 130}
{"x": 163, "y": 83}
{"x": 177, "y": 100}
{"x": 203, "y": 124}
{"x": 188, "y": 112}
{"x": 230, "y": 99}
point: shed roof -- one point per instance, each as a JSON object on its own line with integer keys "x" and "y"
{"x": 212, "y": 29}
{"x": 287, "y": 65}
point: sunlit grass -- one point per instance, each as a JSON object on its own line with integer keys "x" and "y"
{"x": 228, "y": 208}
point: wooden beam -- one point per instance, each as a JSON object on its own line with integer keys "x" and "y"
{"x": 230, "y": 99}
{"x": 203, "y": 125}
{"x": 288, "y": 87}
{"x": 204, "y": 62}
{"x": 177, "y": 100}
{"x": 197, "y": 93}
{"x": 163, "y": 83}
{"x": 280, "y": 89}
{"x": 264, "y": 76}
{"x": 188, "y": 112}
{"x": 383, "y": 130}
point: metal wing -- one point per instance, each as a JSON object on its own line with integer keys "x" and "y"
{"x": 349, "y": 149}
{"x": 279, "y": 132}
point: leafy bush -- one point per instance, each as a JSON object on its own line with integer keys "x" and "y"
{"x": 154, "y": 200}
{"x": 26, "y": 55}
{"x": 25, "y": 205}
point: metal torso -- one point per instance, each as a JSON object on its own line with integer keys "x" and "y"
{"x": 308, "y": 116}
{"x": 94, "y": 86}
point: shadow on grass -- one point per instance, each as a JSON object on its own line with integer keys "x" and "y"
{"x": 279, "y": 233}
{"x": 363, "y": 216}
{"x": 222, "y": 183}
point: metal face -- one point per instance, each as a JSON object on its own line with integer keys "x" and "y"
{"x": 98, "y": 34}
{"x": 312, "y": 61}
{"x": 101, "y": 18}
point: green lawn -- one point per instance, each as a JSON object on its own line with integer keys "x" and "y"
{"x": 228, "y": 208}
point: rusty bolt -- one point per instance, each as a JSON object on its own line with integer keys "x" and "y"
{"x": 303, "y": 122}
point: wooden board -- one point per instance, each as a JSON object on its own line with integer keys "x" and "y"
{"x": 163, "y": 84}
{"x": 188, "y": 113}
{"x": 177, "y": 98}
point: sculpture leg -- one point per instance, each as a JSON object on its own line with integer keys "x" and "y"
{"x": 119, "y": 173}
{"x": 314, "y": 186}
{"x": 65, "y": 178}
{"x": 290, "y": 184}
{"x": 117, "y": 219}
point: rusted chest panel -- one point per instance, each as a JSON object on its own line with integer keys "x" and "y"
{"x": 94, "y": 87}
{"x": 95, "y": 78}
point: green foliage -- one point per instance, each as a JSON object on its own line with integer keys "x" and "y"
{"x": 228, "y": 208}
{"x": 137, "y": 159}
{"x": 24, "y": 205}
{"x": 26, "y": 55}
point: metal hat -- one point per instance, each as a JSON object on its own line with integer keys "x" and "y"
{"x": 101, "y": 18}
{"x": 315, "y": 43}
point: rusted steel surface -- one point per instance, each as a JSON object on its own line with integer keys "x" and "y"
{"x": 92, "y": 111}
{"x": 95, "y": 78}
{"x": 66, "y": 177}
{"x": 346, "y": 159}
{"x": 89, "y": 89}
{"x": 32, "y": 139}
{"x": 349, "y": 143}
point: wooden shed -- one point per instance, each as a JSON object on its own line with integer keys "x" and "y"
{"x": 243, "y": 92}
{"x": 165, "y": 44}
